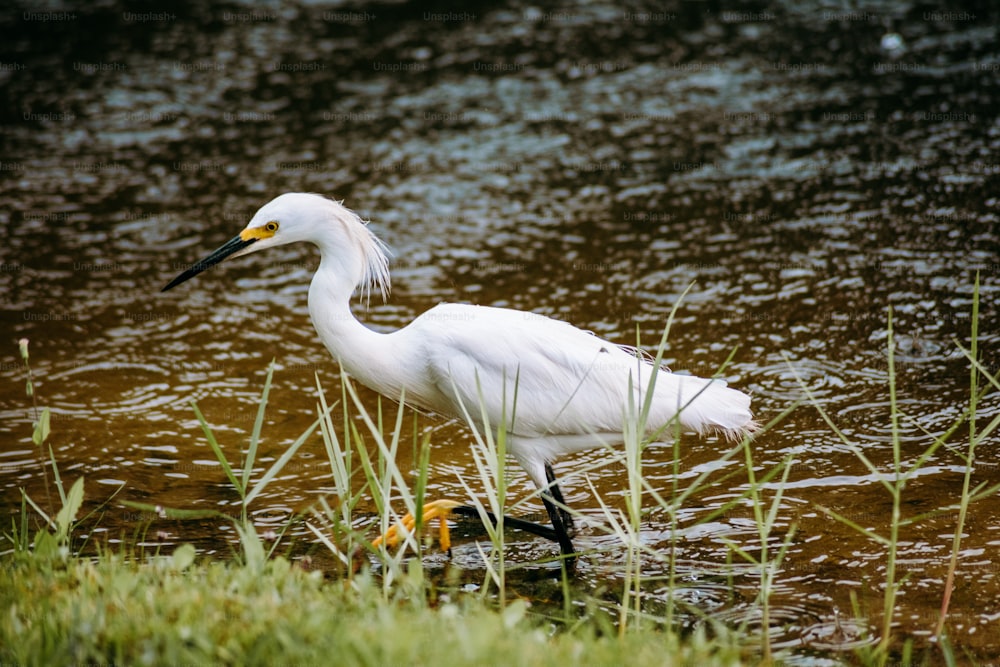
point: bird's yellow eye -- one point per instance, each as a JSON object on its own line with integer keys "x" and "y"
{"x": 265, "y": 231}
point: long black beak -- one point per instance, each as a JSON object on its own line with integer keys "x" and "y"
{"x": 234, "y": 245}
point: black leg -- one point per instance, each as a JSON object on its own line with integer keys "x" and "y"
{"x": 562, "y": 522}
{"x": 510, "y": 522}
{"x": 561, "y": 534}
{"x": 557, "y": 533}
{"x": 567, "y": 518}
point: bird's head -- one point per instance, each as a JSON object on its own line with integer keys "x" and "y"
{"x": 298, "y": 216}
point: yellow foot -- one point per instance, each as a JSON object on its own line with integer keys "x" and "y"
{"x": 437, "y": 509}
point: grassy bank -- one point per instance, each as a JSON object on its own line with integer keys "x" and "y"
{"x": 176, "y": 611}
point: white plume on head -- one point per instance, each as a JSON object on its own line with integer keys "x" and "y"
{"x": 374, "y": 250}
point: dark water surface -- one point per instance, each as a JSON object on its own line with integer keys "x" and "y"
{"x": 807, "y": 165}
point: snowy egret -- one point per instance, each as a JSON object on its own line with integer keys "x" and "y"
{"x": 572, "y": 387}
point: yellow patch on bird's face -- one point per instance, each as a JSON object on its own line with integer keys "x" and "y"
{"x": 265, "y": 231}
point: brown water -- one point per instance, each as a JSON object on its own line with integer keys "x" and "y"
{"x": 804, "y": 166}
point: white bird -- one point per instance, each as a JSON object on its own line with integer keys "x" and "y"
{"x": 571, "y": 386}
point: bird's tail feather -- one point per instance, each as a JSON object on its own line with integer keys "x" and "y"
{"x": 710, "y": 406}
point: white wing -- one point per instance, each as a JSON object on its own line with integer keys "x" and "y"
{"x": 554, "y": 378}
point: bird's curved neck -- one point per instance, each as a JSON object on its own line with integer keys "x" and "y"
{"x": 360, "y": 351}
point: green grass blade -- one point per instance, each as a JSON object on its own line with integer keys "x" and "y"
{"x": 857, "y": 451}
{"x": 661, "y": 350}
{"x": 257, "y": 426}
{"x": 338, "y": 454}
{"x": 217, "y": 450}
{"x": 855, "y": 526}
{"x": 973, "y": 356}
{"x": 43, "y": 427}
{"x": 67, "y": 515}
{"x": 254, "y": 554}
{"x": 786, "y": 467}
{"x": 179, "y": 514}
{"x": 371, "y": 475}
{"x": 283, "y": 460}
{"x": 41, "y": 512}
{"x": 388, "y": 452}
{"x": 57, "y": 477}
